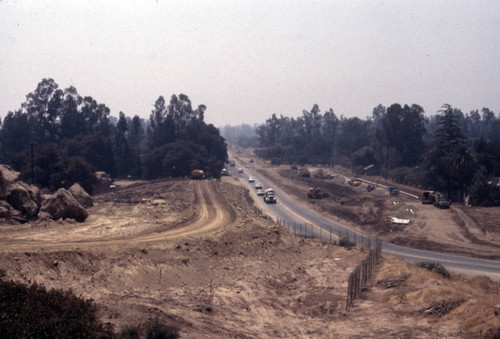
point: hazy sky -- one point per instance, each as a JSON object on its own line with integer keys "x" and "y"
{"x": 248, "y": 59}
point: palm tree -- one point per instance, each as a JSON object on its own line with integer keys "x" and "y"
{"x": 461, "y": 165}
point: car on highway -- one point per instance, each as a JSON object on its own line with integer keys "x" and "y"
{"x": 260, "y": 192}
{"x": 251, "y": 179}
{"x": 258, "y": 186}
{"x": 269, "y": 198}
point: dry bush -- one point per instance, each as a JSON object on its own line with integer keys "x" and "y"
{"x": 29, "y": 312}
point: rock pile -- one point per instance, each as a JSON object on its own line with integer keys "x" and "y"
{"x": 21, "y": 202}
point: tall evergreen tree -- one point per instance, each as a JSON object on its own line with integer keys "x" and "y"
{"x": 448, "y": 145}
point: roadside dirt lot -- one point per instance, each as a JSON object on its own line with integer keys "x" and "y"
{"x": 195, "y": 254}
{"x": 459, "y": 230}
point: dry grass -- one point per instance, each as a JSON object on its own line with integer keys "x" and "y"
{"x": 464, "y": 303}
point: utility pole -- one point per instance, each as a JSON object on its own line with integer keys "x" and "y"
{"x": 32, "y": 165}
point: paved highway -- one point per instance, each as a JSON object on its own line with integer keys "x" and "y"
{"x": 302, "y": 220}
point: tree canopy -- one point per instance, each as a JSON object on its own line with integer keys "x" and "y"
{"x": 72, "y": 136}
{"x": 449, "y": 151}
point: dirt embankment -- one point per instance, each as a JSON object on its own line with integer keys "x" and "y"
{"x": 196, "y": 255}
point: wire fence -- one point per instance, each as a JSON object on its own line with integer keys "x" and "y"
{"x": 363, "y": 273}
{"x": 325, "y": 234}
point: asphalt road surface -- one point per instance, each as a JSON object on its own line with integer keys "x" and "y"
{"x": 302, "y": 220}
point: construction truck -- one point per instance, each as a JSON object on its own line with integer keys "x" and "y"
{"x": 304, "y": 172}
{"x": 354, "y": 182}
{"x": 317, "y": 193}
{"x": 428, "y": 197}
{"x": 197, "y": 174}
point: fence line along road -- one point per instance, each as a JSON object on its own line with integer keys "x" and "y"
{"x": 363, "y": 273}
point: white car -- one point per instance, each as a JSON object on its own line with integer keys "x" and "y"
{"x": 260, "y": 192}
{"x": 258, "y": 186}
{"x": 251, "y": 179}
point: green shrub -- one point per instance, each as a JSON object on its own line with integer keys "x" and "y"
{"x": 34, "y": 312}
{"x": 435, "y": 267}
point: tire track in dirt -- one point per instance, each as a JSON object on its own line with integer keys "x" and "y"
{"x": 213, "y": 213}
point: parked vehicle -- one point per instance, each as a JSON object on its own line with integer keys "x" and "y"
{"x": 317, "y": 193}
{"x": 197, "y": 174}
{"x": 428, "y": 197}
{"x": 304, "y": 172}
{"x": 224, "y": 172}
{"x": 240, "y": 170}
{"x": 443, "y": 202}
{"x": 393, "y": 190}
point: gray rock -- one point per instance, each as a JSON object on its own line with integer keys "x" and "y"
{"x": 7, "y": 177}
{"x": 81, "y": 195}
{"x": 5, "y": 210}
{"x": 24, "y": 198}
{"x": 63, "y": 205}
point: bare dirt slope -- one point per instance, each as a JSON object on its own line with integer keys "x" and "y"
{"x": 195, "y": 254}
{"x": 459, "y": 230}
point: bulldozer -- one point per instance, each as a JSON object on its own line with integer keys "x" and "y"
{"x": 304, "y": 172}
{"x": 317, "y": 193}
{"x": 354, "y": 182}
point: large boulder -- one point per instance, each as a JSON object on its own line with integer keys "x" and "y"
{"x": 104, "y": 181}
{"x": 81, "y": 195}
{"x": 24, "y": 198}
{"x": 63, "y": 205}
{"x": 5, "y": 210}
{"x": 7, "y": 177}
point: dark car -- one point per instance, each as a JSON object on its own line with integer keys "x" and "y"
{"x": 443, "y": 202}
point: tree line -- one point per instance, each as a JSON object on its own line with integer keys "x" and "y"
{"x": 58, "y": 137}
{"x": 455, "y": 153}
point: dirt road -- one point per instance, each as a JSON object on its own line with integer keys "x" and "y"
{"x": 212, "y": 212}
